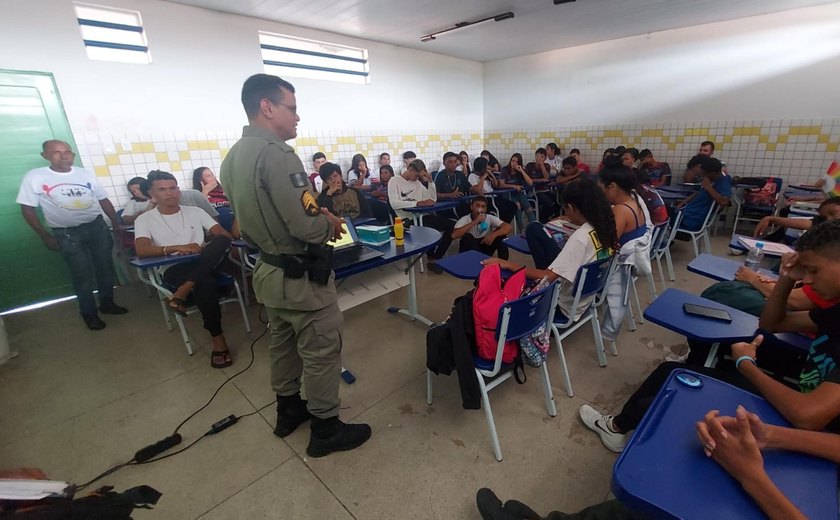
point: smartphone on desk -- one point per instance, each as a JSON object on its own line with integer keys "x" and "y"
{"x": 707, "y": 312}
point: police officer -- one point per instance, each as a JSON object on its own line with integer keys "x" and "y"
{"x": 270, "y": 195}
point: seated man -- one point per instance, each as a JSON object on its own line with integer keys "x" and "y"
{"x": 582, "y": 166}
{"x": 172, "y": 229}
{"x": 569, "y": 172}
{"x": 692, "y": 169}
{"x": 479, "y": 231}
{"x": 414, "y": 188}
{"x": 408, "y": 158}
{"x": 189, "y": 197}
{"x": 736, "y": 443}
{"x": 816, "y": 405}
{"x": 340, "y": 199}
{"x": 716, "y": 188}
{"x": 451, "y": 183}
{"x": 315, "y": 178}
{"x": 657, "y": 173}
{"x": 539, "y": 170}
{"x": 828, "y": 210}
{"x": 384, "y": 159}
{"x": 483, "y": 182}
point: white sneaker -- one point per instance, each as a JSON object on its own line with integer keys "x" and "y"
{"x": 598, "y": 422}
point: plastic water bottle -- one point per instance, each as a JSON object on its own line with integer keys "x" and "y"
{"x": 755, "y": 256}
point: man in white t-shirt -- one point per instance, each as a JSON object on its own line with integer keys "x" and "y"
{"x": 479, "y": 231}
{"x": 172, "y": 229}
{"x": 73, "y": 201}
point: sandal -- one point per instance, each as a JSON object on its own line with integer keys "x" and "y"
{"x": 220, "y": 359}
{"x": 178, "y": 306}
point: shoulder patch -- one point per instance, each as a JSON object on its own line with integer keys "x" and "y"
{"x": 310, "y": 205}
{"x": 299, "y": 180}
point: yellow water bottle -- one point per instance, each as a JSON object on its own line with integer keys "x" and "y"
{"x": 399, "y": 232}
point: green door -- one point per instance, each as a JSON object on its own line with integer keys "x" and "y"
{"x": 30, "y": 113}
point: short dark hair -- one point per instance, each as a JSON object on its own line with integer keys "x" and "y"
{"x": 318, "y": 155}
{"x": 409, "y": 155}
{"x": 156, "y": 175}
{"x": 554, "y": 148}
{"x": 541, "y": 151}
{"x": 569, "y": 161}
{"x": 645, "y": 153}
{"x": 708, "y": 143}
{"x": 388, "y": 168}
{"x": 383, "y": 154}
{"x": 417, "y": 165}
{"x": 697, "y": 160}
{"x": 327, "y": 169}
{"x": 711, "y": 165}
{"x": 825, "y": 235}
{"x": 634, "y": 153}
{"x": 479, "y": 198}
{"x": 615, "y": 171}
{"x": 480, "y": 165}
{"x": 263, "y": 86}
{"x": 620, "y": 149}
{"x": 574, "y": 150}
{"x": 447, "y": 155}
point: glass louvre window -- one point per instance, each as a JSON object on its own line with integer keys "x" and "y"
{"x": 113, "y": 34}
{"x": 297, "y": 57}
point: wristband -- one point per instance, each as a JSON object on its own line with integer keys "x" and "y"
{"x": 743, "y": 358}
{"x": 164, "y": 254}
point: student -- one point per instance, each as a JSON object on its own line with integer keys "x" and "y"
{"x": 656, "y": 207}
{"x": 358, "y": 176}
{"x": 340, "y": 199}
{"x": 607, "y": 153}
{"x": 315, "y": 178}
{"x": 205, "y": 181}
{"x": 479, "y": 231}
{"x": 539, "y": 170}
{"x": 706, "y": 149}
{"x": 408, "y": 157}
{"x": 569, "y": 172}
{"x": 379, "y": 197}
{"x": 483, "y": 182}
{"x": 492, "y": 163}
{"x": 553, "y": 158}
{"x": 736, "y": 443}
{"x": 716, "y": 188}
{"x": 618, "y": 183}
{"x": 137, "y": 204}
{"x": 171, "y": 229}
{"x": 585, "y": 205}
{"x": 451, "y": 183}
{"x": 464, "y": 165}
{"x": 189, "y": 197}
{"x": 582, "y": 166}
{"x": 828, "y": 210}
{"x": 513, "y": 176}
{"x": 414, "y": 188}
{"x": 656, "y": 173}
{"x": 816, "y": 405}
{"x": 384, "y": 159}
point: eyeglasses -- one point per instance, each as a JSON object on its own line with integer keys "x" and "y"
{"x": 292, "y": 108}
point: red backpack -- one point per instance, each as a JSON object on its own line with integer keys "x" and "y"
{"x": 492, "y": 292}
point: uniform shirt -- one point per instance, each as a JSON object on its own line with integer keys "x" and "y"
{"x": 534, "y": 172}
{"x": 556, "y": 164}
{"x": 695, "y": 211}
{"x": 270, "y": 193}
{"x": 580, "y": 248}
{"x": 474, "y": 180}
{"x": 403, "y": 193}
{"x": 68, "y": 199}
{"x": 353, "y": 176}
{"x": 134, "y": 207}
{"x": 445, "y": 183}
{"x": 656, "y": 174}
{"x": 493, "y": 223}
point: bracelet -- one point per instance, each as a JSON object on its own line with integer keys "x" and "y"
{"x": 164, "y": 250}
{"x": 743, "y": 358}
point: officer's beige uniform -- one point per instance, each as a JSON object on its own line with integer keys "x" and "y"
{"x": 276, "y": 211}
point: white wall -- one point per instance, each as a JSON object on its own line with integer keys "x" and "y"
{"x": 200, "y": 59}
{"x": 777, "y": 66}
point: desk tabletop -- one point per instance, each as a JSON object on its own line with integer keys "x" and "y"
{"x": 437, "y": 206}
{"x": 466, "y": 265}
{"x": 667, "y": 311}
{"x": 158, "y": 261}
{"x": 719, "y": 268}
{"x": 664, "y": 473}
{"x": 518, "y": 243}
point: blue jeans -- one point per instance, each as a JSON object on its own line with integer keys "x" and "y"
{"x": 87, "y": 251}
{"x": 544, "y": 249}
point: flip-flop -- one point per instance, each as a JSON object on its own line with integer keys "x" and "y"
{"x": 178, "y": 306}
{"x": 220, "y": 354}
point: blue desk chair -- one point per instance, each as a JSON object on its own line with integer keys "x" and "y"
{"x": 754, "y": 213}
{"x": 154, "y": 277}
{"x": 591, "y": 279}
{"x": 661, "y": 248}
{"x": 225, "y": 217}
{"x": 517, "y": 319}
{"x": 658, "y": 236}
{"x": 705, "y": 230}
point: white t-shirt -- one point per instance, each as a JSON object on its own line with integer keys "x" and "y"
{"x": 353, "y": 176}
{"x": 68, "y": 199}
{"x": 493, "y": 223}
{"x": 556, "y": 164}
{"x": 134, "y": 207}
{"x": 474, "y": 178}
{"x": 405, "y": 194}
{"x": 580, "y": 248}
{"x": 188, "y": 226}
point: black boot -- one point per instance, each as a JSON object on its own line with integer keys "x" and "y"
{"x": 490, "y": 507}
{"x": 329, "y": 435}
{"x": 291, "y": 413}
{"x": 109, "y": 307}
{"x": 93, "y": 322}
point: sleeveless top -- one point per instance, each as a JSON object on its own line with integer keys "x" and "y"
{"x": 633, "y": 234}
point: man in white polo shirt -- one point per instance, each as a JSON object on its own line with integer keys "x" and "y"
{"x": 73, "y": 201}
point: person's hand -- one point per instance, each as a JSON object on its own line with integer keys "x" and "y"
{"x": 680, "y": 204}
{"x": 207, "y": 187}
{"x": 789, "y": 266}
{"x": 504, "y": 264}
{"x": 333, "y": 187}
{"x": 728, "y": 425}
{"x": 517, "y": 188}
{"x": 457, "y": 193}
{"x": 763, "y": 278}
{"x": 762, "y": 226}
{"x": 336, "y": 222}
{"x": 51, "y": 243}
{"x": 488, "y": 239}
{"x": 540, "y": 160}
{"x": 745, "y": 274}
{"x": 736, "y": 449}
{"x": 744, "y": 348}
{"x": 425, "y": 203}
{"x": 481, "y": 217}
{"x": 425, "y": 176}
{"x": 186, "y": 249}
{"x": 820, "y": 183}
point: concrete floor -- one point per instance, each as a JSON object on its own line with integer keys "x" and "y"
{"x": 76, "y": 402}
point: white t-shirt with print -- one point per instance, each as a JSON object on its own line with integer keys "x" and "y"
{"x": 403, "y": 193}
{"x": 188, "y": 226}
{"x": 474, "y": 178}
{"x": 580, "y": 248}
{"x": 493, "y": 223}
{"x": 68, "y": 199}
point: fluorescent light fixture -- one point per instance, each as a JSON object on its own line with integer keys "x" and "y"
{"x": 462, "y": 25}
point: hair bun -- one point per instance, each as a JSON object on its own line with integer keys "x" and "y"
{"x": 613, "y": 161}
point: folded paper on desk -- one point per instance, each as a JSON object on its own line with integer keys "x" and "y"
{"x": 15, "y": 489}
{"x": 563, "y": 226}
{"x": 770, "y": 248}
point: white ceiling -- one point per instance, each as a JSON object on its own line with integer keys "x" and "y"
{"x": 539, "y": 25}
